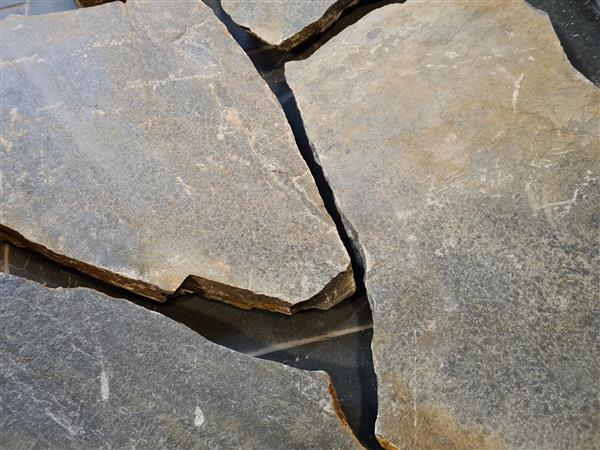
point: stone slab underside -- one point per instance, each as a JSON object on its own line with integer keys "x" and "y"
{"x": 83, "y": 370}
{"x": 463, "y": 152}
{"x": 140, "y": 145}
{"x": 286, "y": 23}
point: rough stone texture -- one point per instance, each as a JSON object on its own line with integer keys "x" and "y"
{"x": 83, "y": 370}
{"x": 463, "y": 151}
{"x": 140, "y": 145}
{"x": 286, "y": 23}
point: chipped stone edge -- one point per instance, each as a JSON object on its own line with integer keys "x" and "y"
{"x": 336, "y": 290}
{"x": 335, "y": 403}
{"x": 139, "y": 287}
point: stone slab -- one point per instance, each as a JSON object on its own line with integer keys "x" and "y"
{"x": 140, "y": 145}
{"x": 286, "y": 23}
{"x": 463, "y": 152}
{"x": 83, "y": 370}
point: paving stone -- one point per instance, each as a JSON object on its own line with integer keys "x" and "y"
{"x": 286, "y": 23}
{"x": 463, "y": 152}
{"x": 140, "y": 146}
{"x": 83, "y": 370}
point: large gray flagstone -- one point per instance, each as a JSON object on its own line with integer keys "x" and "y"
{"x": 463, "y": 152}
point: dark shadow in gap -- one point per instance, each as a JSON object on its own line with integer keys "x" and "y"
{"x": 577, "y": 25}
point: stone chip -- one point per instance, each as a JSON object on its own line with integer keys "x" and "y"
{"x": 140, "y": 145}
{"x": 463, "y": 152}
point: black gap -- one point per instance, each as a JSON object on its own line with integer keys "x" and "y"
{"x": 577, "y": 25}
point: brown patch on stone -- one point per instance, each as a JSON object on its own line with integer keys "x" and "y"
{"x": 429, "y": 427}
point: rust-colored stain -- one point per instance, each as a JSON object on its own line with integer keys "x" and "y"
{"x": 434, "y": 428}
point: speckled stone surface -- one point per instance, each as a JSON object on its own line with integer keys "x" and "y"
{"x": 142, "y": 154}
{"x": 285, "y": 23}
{"x": 83, "y": 370}
{"x": 463, "y": 151}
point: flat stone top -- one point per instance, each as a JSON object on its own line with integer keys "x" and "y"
{"x": 285, "y": 22}
{"x": 463, "y": 152}
{"x": 139, "y": 139}
{"x": 83, "y": 370}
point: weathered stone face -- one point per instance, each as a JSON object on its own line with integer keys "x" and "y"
{"x": 83, "y": 370}
{"x": 286, "y": 23}
{"x": 140, "y": 145}
{"x": 463, "y": 151}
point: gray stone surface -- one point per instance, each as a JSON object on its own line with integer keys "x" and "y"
{"x": 285, "y": 23}
{"x": 140, "y": 145}
{"x": 463, "y": 151}
{"x": 83, "y": 370}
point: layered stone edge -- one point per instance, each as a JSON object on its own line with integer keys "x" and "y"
{"x": 336, "y": 290}
{"x": 309, "y": 31}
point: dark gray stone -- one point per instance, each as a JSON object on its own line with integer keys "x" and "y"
{"x": 140, "y": 146}
{"x": 83, "y": 370}
{"x": 463, "y": 152}
{"x": 286, "y": 23}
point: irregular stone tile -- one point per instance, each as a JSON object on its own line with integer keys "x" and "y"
{"x": 286, "y": 23}
{"x": 83, "y": 370}
{"x": 463, "y": 151}
{"x": 142, "y": 154}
